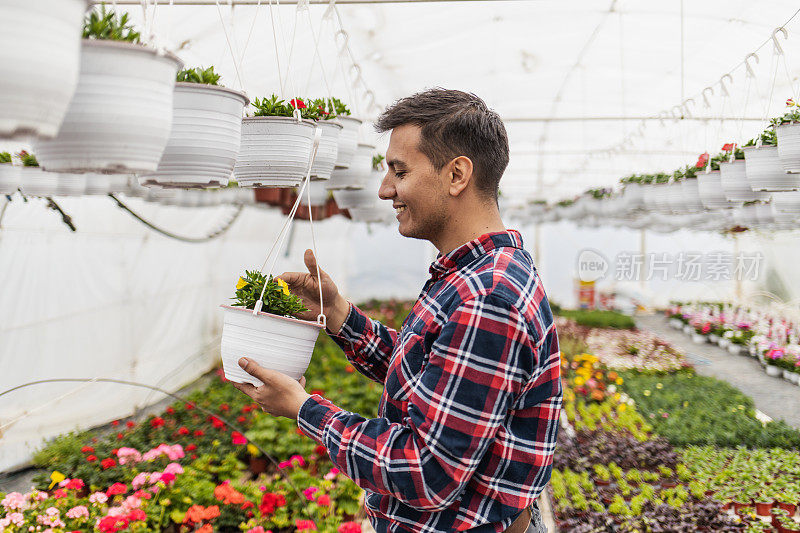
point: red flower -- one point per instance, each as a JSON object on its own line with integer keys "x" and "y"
{"x": 143, "y": 494}
{"x": 91, "y": 458}
{"x": 137, "y": 514}
{"x": 238, "y": 438}
{"x": 170, "y": 410}
{"x": 198, "y": 433}
{"x": 224, "y": 407}
{"x": 247, "y": 505}
{"x": 115, "y": 423}
{"x": 120, "y": 436}
{"x": 305, "y": 525}
{"x": 297, "y": 103}
{"x": 789, "y": 102}
{"x": 194, "y": 456}
{"x": 184, "y": 430}
{"x": 320, "y": 449}
{"x": 246, "y": 409}
{"x": 59, "y": 493}
{"x": 299, "y": 431}
{"x": 75, "y": 484}
{"x": 702, "y": 160}
{"x": 349, "y": 369}
{"x": 324, "y": 500}
{"x": 350, "y": 527}
{"x": 728, "y": 147}
{"x": 242, "y": 419}
{"x": 108, "y": 463}
{"x": 116, "y": 488}
{"x": 130, "y": 423}
{"x": 217, "y": 423}
{"x": 270, "y": 501}
{"x": 190, "y": 447}
{"x": 115, "y": 451}
{"x": 157, "y": 422}
{"x": 87, "y": 449}
{"x": 318, "y": 391}
{"x": 189, "y": 406}
{"x": 112, "y": 524}
{"x": 167, "y": 477}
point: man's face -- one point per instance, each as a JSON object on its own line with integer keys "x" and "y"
{"x": 418, "y": 192}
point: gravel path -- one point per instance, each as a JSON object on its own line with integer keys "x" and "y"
{"x": 775, "y": 397}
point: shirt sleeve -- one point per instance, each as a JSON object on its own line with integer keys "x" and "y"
{"x": 478, "y": 364}
{"x": 367, "y": 343}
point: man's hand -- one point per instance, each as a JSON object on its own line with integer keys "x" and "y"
{"x": 280, "y": 395}
{"x": 306, "y": 286}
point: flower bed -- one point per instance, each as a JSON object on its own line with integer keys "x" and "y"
{"x": 188, "y": 470}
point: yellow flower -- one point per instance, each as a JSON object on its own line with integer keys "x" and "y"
{"x": 283, "y": 285}
{"x": 621, "y": 407}
{"x": 619, "y": 381}
{"x": 617, "y": 396}
{"x": 686, "y": 404}
{"x": 579, "y": 381}
{"x": 251, "y": 448}
{"x": 659, "y": 386}
{"x": 241, "y": 284}
{"x": 56, "y": 477}
{"x": 646, "y": 392}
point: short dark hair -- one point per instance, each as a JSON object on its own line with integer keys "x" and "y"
{"x": 454, "y": 123}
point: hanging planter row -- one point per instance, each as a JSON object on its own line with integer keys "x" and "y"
{"x": 111, "y": 105}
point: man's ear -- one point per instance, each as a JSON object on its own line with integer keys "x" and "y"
{"x": 460, "y": 174}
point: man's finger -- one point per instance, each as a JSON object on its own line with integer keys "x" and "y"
{"x": 302, "y": 381}
{"x": 293, "y": 278}
{"x": 252, "y": 368}
{"x": 311, "y": 264}
{"x": 247, "y": 388}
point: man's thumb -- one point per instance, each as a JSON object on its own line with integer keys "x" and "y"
{"x": 311, "y": 263}
{"x": 251, "y": 367}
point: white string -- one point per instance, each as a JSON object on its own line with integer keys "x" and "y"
{"x": 230, "y": 46}
{"x": 765, "y": 124}
{"x": 249, "y": 33}
{"x": 321, "y": 318}
{"x": 277, "y": 52}
{"x": 288, "y": 76}
{"x": 29, "y": 412}
{"x": 317, "y": 56}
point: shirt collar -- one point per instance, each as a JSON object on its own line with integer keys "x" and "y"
{"x": 466, "y": 253}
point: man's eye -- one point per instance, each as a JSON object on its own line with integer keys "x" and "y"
{"x": 399, "y": 173}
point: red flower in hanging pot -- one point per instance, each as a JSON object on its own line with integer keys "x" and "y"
{"x": 728, "y": 147}
{"x": 130, "y": 424}
{"x": 297, "y": 103}
{"x": 702, "y": 160}
{"x": 115, "y": 423}
{"x": 789, "y": 102}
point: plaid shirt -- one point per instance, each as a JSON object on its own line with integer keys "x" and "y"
{"x": 472, "y": 395}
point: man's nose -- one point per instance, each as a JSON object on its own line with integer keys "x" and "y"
{"x": 386, "y": 190}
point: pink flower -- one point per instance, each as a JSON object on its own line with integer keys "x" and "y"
{"x": 324, "y": 500}
{"x": 332, "y": 474}
{"x": 59, "y": 493}
{"x": 140, "y": 480}
{"x": 132, "y": 502}
{"x": 15, "y": 500}
{"x": 98, "y": 497}
{"x": 238, "y": 438}
{"x": 350, "y": 527}
{"x": 298, "y": 459}
{"x": 284, "y": 464}
{"x": 79, "y": 511}
{"x": 126, "y": 455}
{"x": 173, "y": 468}
{"x": 309, "y": 493}
{"x": 167, "y": 478}
{"x": 305, "y": 524}
{"x": 116, "y": 488}
{"x": 16, "y": 518}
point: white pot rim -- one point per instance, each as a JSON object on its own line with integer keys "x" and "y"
{"x": 350, "y": 118}
{"x": 303, "y": 122}
{"x": 762, "y": 147}
{"x": 201, "y": 87}
{"x": 330, "y": 123}
{"x": 270, "y": 315}
{"x": 136, "y": 47}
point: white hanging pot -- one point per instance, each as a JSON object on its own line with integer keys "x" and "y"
{"x": 120, "y": 117}
{"x": 376, "y": 213}
{"x": 649, "y": 197}
{"x": 787, "y": 202}
{"x": 633, "y": 196}
{"x": 318, "y": 192}
{"x": 348, "y": 140}
{"x": 274, "y": 342}
{"x": 275, "y": 151}
{"x": 10, "y": 178}
{"x": 36, "y": 181}
{"x": 733, "y": 177}
{"x": 357, "y": 173}
{"x": 789, "y": 146}
{"x": 690, "y": 189}
{"x": 40, "y": 50}
{"x": 661, "y": 198}
{"x": 675, "y": 198}
{"x": 765, "y": 171}
{"x": 205, "y": 138}
{"x": 71, "y": 184}
{"x": 709, "y": 187}
{"x": 97, "y": 184}
{"x": 350, "y": 198}
{"x": 327, "y": 151}
{"x": 783, "y": 218}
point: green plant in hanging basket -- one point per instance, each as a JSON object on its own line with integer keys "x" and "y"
{"x": 339, "y": 107}
{"x": 277, "y": 298}
{"x": 377, "y": 162}
{"x": 5, "y": 157}
{"x": 108, "y": 26}
{"x": 275, "y": 107}
{"x": 198, "y": 75}
{"x": 28, "y": 160}
{"x": 324, "y": 107}
{"x": 791, "y": 116}
{"x": 768, "y": 138}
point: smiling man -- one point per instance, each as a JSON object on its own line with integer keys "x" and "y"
{"x": 469, "y": 414}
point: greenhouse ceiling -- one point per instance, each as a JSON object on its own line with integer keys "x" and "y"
{"x": 590, "y": 90}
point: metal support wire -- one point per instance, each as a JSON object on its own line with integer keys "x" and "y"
{"x": 172, "y": 395}
{"x": 171, "y": 235}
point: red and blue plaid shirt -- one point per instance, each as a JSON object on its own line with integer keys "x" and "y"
{"x": 472, "y": 393}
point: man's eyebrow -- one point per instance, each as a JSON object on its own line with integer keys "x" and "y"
{"x": 394, "y": 162}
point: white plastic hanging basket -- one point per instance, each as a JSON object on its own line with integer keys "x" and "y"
{"x": 205, "y": 138}
{"x": 365, "y": 198}
{"x": 649, "y": 197}
{"x": 10, "y": 178}
{"x": 675, "y": 198}
{"x": 71, "y": 184}
{"x": 691, "y": 195}
{"x": 348, "y": 141}
{"x": 40, "y": 47}
{"x": 765, "y": 171}
{"x": 633, "y": 196}
{"x": 733, "y": 178}
{"x": 318, "y": 193}
{"x": 120, "y": 117}
{"x": 709, "y": 187}
{"x": 661, "y": 198}
{"x": 274, "y": 342}
{"x": 789, "y": 146}
{"x": 328, "y": 150}
{"x": 357, "y": 174}
{"x": 99, "y": 184}
{"x": 274, "y": 151}
{"x": 787, "y": 202}
{"x": 36, "y": 182}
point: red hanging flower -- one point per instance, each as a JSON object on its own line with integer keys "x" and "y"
{"x": 320, "y": 449}
{"x": 120, "y": 436}
{"x": 702, "y": 161}
{"x": 241, "y": 419}
{"x": 728, "y": 147}
{"x": 130, "y": 423}
{"x": 224, "y": 407}
{"x": 115, "y": 423}
{"x": 297, "y": 103}
{"x": 324, "y": 500}
{"x": 108, "y": 463}
{"x": 167, "y": 477}
{"x": 189, "y": 406}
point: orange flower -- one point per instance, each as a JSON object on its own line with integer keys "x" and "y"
{"x": 228, "y": 495}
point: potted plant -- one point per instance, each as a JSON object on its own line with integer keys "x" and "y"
{"x": 328, "y": 149}
{"x": 34, "y": 181}
{"x": 348, "y": 137}
{"x": 733, "y": 176}
{"x": 206, "y": 133}
{"x": 763, "y": 166}
{"x": 40, "y": 56}
{"x": 787, "y": 131}
{"x": 357, "y": 174}
{"x": 368, "y": 207}
{"x": 9, "y": 174}
{"x": 709, "y": 183}
{"x": 273, "y": 337}
{"x": 276, "y": 143}
{"x": 120, "y": 117}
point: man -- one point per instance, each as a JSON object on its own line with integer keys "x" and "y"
{"x": 469, "y": 414}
